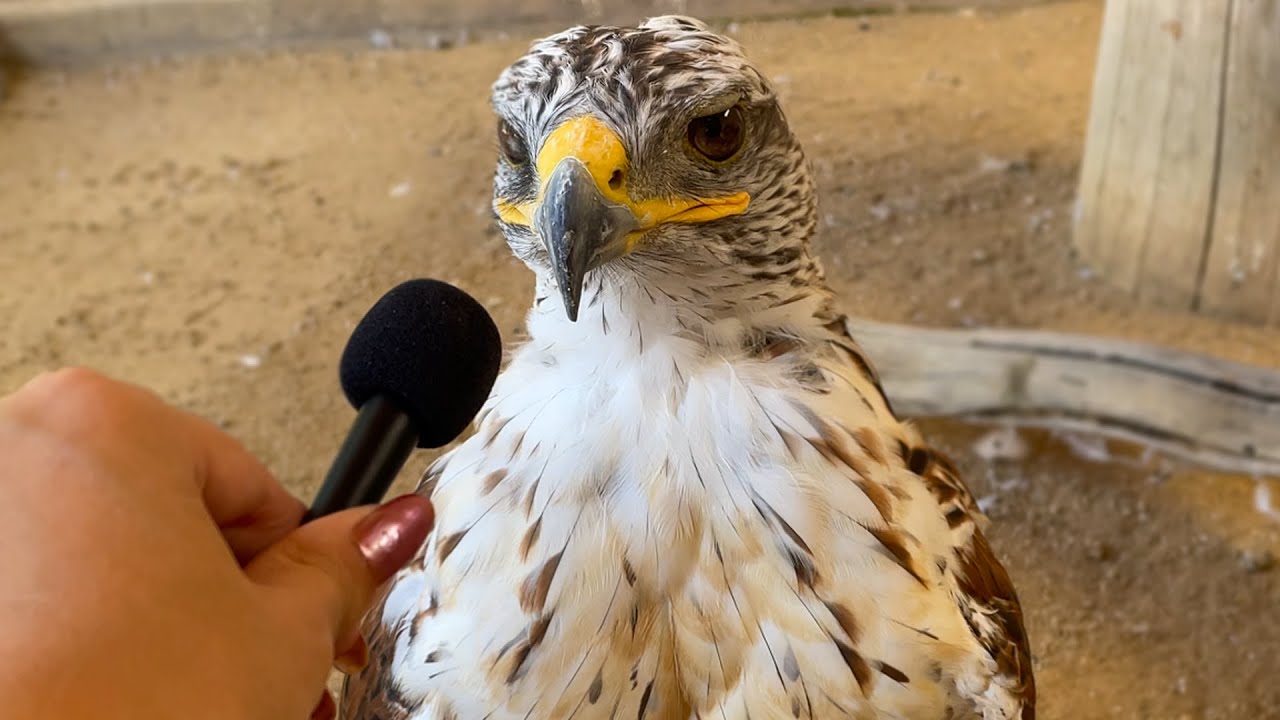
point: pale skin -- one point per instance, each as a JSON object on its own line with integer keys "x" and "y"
{"x": 153, "y": 568}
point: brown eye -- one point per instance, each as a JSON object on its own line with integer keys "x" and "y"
{"x": 511, "y": 144}
{"x": 718, "y": 136}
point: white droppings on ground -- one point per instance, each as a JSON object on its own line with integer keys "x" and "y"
{"x": 1087, "y": 447}
{"x": 1264, "y": 498}
{"x": 250, "y": 360}
{"x": 986, "y": 502}
{"x": 1003, "y": 444}
{"x": 400, "y": 189}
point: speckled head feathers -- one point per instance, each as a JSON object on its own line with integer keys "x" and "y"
{"x": 648, "y": 84}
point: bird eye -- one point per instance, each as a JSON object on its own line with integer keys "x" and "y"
{"x": 718, "y": 137}
{"x": 511, "y": 144}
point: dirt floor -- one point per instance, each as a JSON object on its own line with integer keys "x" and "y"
{"x": 213, "y": 228}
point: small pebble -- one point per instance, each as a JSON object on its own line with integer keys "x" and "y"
{"x": 250, "y": 361}
{"x": 1100, "y": 552}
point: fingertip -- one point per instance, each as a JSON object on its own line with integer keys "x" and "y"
{"x": 391, "y": 535}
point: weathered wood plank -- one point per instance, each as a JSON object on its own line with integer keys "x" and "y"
{"x": 1147, "y": 175}
{"x": 1216, "y": 414}
{"x": 1242, "y": 274}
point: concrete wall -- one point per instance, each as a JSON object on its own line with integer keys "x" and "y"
{"x": 68, "y": 31}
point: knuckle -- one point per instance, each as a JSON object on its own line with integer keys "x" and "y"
{"x": 87, "y": 403}
{"x": 72, "y": 382}
{"x": 71, "y": 401}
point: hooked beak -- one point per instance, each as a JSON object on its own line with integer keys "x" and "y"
{"x": 580, "y": 227}
{"x": 583, "y": 212}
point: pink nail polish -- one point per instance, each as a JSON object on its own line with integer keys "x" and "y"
{"x": 391, "y": 535}
{"x": 353, "y": 659}
{"x": 326, "y": 708}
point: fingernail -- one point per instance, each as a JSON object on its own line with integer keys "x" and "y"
{"x": 353, "y": 659}
{"x": 391, "y": 535}
{"x": 326, "y": 709}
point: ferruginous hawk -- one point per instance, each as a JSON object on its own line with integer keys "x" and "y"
{"x": 687, "y": 496}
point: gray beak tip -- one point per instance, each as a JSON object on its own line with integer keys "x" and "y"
{"x": 580, "y": 228}
{"x": 571, "y": 308}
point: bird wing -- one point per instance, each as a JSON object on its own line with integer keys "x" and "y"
{"x": 898, "y": 579}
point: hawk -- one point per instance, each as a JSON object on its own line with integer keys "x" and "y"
{"x": 687, "y": 496}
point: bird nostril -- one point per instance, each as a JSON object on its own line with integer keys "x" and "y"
{"x": 615, "y": 180}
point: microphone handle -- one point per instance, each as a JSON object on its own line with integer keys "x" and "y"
{"x": 376, "y": 448}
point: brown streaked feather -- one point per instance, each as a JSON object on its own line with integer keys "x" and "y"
{"x": 530, "y": 538}
{"x": 534, "y": 589}
{"x": 856, "y": 664}
{"x": 845, "y": 619}
{"x": 427, "y": 484}
{"x": 896, "y": 547}
{"x": 493, "y": 480}
{"x": 871, "y": 443}
{"x": 838, "y": 454}
{"x": 891, "y": 672}
{"x": 532, "y": 638}
{"x": 449, "y": 543}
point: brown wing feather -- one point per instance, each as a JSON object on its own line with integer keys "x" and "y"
{"x": 986, "y": 585}
{"x": 983, "y": 582}
{"x": 371, "y": 694}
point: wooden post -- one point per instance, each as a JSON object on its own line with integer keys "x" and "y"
{"x": 1179, "y": 197}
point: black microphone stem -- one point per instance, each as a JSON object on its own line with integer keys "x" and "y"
{"x": 375, "y": 450}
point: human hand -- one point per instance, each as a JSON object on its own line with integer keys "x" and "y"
{"x": 154, "y": 569}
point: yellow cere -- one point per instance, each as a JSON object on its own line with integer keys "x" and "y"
{"x": 600, "y": 149}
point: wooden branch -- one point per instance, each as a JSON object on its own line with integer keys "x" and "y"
{"x": 1216, "y": 414}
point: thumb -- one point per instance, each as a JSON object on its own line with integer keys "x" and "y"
{"x": 327, "y": 571}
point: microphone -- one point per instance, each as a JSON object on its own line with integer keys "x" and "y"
{"x": 417, "y": 368}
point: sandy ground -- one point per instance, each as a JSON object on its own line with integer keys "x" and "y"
{"x": 213, "y": 228}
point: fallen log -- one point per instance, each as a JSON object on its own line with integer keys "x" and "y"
{"x": 1215, "y": 414}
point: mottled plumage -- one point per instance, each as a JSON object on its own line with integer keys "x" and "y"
{"x": 694, "y": 500}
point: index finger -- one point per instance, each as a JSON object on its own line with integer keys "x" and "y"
{"x": 252, "y": 510}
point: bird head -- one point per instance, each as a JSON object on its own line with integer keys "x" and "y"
{"x": 647, "y": 152}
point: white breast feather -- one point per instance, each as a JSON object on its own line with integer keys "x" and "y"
{"x": 645, "y": 472}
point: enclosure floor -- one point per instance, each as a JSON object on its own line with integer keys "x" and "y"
{"x": 212, "y": 228}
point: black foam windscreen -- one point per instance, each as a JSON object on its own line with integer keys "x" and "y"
{"x": 430, "y": 347}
